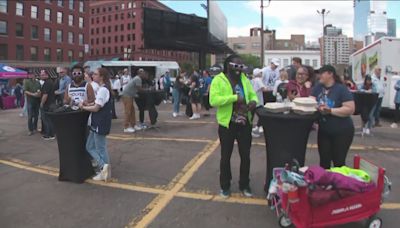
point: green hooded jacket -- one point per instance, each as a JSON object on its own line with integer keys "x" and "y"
{"x": 222, "y": 97}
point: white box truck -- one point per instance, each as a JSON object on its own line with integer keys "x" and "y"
{"x": 385, "y": 53}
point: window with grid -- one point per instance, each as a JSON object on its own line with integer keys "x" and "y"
{"x": 71, "y": 20}
{"x": 59, "y": 17}
{"x": 47, "y": 34}
{"x": 19, "y": 30}
{"x": 3, "y": 6}
{"x": 34, "y": 12}
{"x": 19, "y": 9}
{"x": 34, "y": 32}
{"x": 34, "y": 53}
{"x": 19, "y": 52}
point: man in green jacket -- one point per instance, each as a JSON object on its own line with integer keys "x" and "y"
{"x": 233, "y": 96}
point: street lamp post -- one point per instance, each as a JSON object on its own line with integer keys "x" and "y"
{"x": 323, "y": 13}
{"x": 262, "y": 31}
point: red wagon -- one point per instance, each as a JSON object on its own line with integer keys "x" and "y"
{"x": 350, "y": 209}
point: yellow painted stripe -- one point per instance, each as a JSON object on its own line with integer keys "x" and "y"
{"x": 199, "y": 195}
{"x": 353, "y": 147}
{"x": 189, "y": 122}
{"x": 130, "y": 138}
{"x": 160, "y": 202}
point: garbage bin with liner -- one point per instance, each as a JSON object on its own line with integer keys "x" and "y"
{"x": 75, "y": 162}
{"x": 286, "y": 137}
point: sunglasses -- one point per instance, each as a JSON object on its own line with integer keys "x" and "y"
{"x": 79, "y": 73}
{"x": 237, "y": 66}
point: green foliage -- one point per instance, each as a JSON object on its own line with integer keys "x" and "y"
{"x": 251, "y": 60}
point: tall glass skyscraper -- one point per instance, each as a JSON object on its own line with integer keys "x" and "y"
{"x": 370, "y": 20}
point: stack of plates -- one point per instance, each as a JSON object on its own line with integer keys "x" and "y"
{"x": 304, "y": 105}
{"x": 276, "y": 107}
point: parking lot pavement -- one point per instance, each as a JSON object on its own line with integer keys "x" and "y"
{"x": 164, "y": 177}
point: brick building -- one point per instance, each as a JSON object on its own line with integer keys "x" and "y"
{"x": 116, "y": 32}
{"x": 43, "y": 33}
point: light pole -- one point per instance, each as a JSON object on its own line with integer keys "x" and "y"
{"x": 323, "y": 13}
{"x": 262, "y": 31}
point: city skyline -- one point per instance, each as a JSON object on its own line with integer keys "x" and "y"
{"x": 287, "y": 17}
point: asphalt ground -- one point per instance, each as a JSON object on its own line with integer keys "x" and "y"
{"x": 165, "y": 177}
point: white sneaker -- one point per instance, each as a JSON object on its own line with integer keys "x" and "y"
{"x": 255, "y": 129}
{"x": 175, "y": 114}
{"x": 165, "y": 101}
{"x": 198, "y": 116}
{"x": 104, "y": 174}
{"x": 260, "y": 130}
{"x": 138, "y": 128}
{"x": 193, "y": 117}
{"x": 367, "y": 131}
{"x": 129, "y": 130}
{"x": 393, "y": 125}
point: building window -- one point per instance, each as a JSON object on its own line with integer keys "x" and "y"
{"x": 122, "y": 27}
{"x": 315, "y": 63}
{"x": 19, "y": 9}
{"x": 80, "y": 55}
{"x": 19, "y": 30}
{"x": 34, "y": 53}
{"x": 97, "y": 31}
{"x": 122, "y": 38}
{"x": 3, "y": 52}
{"x": 59, "y": 36}
{"x": 59, "y": 55}
{"x": 47, "y": 1}
{"x": 109, "y": 50}
{"x": 133, "y": 26}
{"x": 34, "y": 12}
{"x": 70, "y": 55}
{"x": 59, "y": 17}
{"x": 71, "y": 4}
{"x": 47, "y": 54}
{"x": 71, "y": 20}
{"x": 70, "y": 37}
{"x": 80, "y": 22}
{"x": 60, "y": 3}
{"x": 104, "y": 18}
{"x": 116, "y": 39}
{"x": 3, "y": 6}
{"x": 80, "y": 39}
{"x": 129, "y": 5}
{"x": 129, "y": 37}
{"x": 109, "y": 40}
{"x": 47, "y": 34}
{"x": 115, "y": 49}
{"x": 116, "y": 28}
{"x": 285, "y": 62}
{"x": 122, "y": 6}
{"x": 19, "y": 52}
{"x": 307, "y": 62}
{"x": 116, "y": 16}
{"x": 104, "y": 40}
{"x": 104, "y": 29}
{"x": 109, "y": 28}
{"x": 81, "y": 7}
{"x": 47, "y": 15}
{"x": 97, "y": 40}
{"x": 35, "y": 32}
{"x": 3, "y": 27}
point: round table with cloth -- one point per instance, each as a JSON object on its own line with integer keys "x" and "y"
{"x": 71, "y": 129}
{"x": 364, "y": 103}
{"x": 286, "y": 137}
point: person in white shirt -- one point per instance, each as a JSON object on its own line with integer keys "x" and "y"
{"x": 259, "y": 88}
{"x": 271, "y": 74}
{"x": 100, "y": 125}
{"x": 125, "y": 78}
{"x": 377, "y": 81}
{"x": 116, "y": 86}
{"x": 283, "y": 78}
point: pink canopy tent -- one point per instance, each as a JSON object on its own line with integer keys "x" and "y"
{"x": 7, "y": 72}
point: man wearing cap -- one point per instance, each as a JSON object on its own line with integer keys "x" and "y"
{"x": 270, "y": 75}
{"x": 376, "y": 111}
{"x": 32, "y": 92}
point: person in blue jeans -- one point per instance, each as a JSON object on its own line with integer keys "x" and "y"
{"x": 177, "y": 93}
{"x": 167, "y": 85}
{"x": 100, "y": 125}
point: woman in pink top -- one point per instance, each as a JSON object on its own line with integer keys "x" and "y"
{"x": 301, "y": 87}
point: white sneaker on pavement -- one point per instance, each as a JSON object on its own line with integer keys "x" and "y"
{"x": 193, "y": 117}
{"x": 175, "y": 114}
{"x": 367, "y": 131}
{"x": 129, "y": 130}
{"x": 255, "y": 129}
{"x": 138, "y": 128}
{"x": 393, "y": 125}
{"x": 260, "y": 130}
{"x": 104, "y": 174}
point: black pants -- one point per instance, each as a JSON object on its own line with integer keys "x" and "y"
{"x": 33, "y": 114}
{"x": 227, "y": 137}
{"x": 47, "y": 127}
{"x": 334, "y": 147}
{"x": 153, "y": 114}
{"x": 114, "y": 114}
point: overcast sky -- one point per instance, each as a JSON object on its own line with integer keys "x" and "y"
{"x": 287, "y": 17}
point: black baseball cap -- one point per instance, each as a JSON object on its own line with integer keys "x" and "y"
{"x": 327, "y": 68}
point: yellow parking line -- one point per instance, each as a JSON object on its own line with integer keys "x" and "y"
{"x": 129, "y": 138}
{"x": 199, "y": 195}
{"x": 189, "y": 122}
{"x": 353, "y": 147}
{"x": 161, "y": 201}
